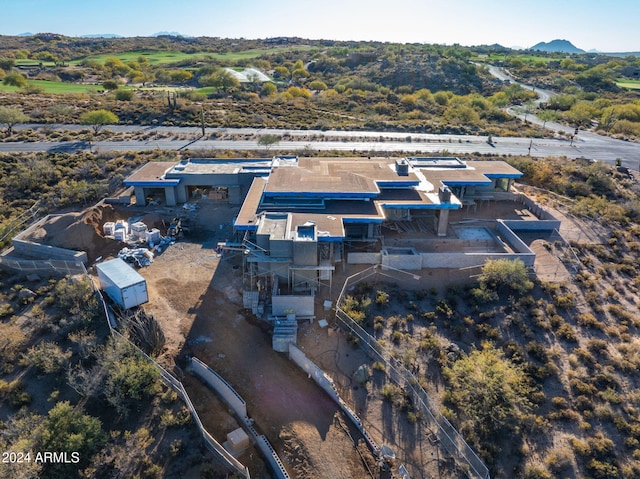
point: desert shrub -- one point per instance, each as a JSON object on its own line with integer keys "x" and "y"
{"x": 5, "y": 310}
{"x": 588, "y": 320}
{"x": 559, "y": 459}
{"x": 490, "y": 391}
{"x": 124, "y": 95}
{"x": 566, "y": 332}
{"x": 68, "y": 429}
{"x": 619, "y": 313}
{"x": 507, "y": 275}
{"x": 389, "y": 392}
{"x": 598, "y": 346}
{"x": 378, "y": 366}
{"x": 382, "y": 298}
{"x": 46, "y": 356}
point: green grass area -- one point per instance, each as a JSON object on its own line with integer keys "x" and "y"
{"x": 630, "y": 84}
{"x": 154, "y": 58}
{"x": 57, "y": 87}
{"x": 527, "y": 58}
{"x": 164, "y": 57}
{"x": 34, "y": 63}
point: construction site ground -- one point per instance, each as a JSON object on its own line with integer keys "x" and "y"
{"x": 196, "y": 295}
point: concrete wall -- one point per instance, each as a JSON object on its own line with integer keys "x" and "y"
{"x": 43, "y": 251}
{"x": 512, "y": 239}
{"x": 466, "y": 260}
{"x": 238, "y": 405}
{"x": 541, "y": 225}
{"x": 280, "y": 248}
{"x": 364, "y": 258}
{"x": 300, "y": 305}
{"x": 326, "y": 383}
{"x": 536, "y": 209}
{"x": 406, "y": 262}
{"x": 309, "y": 367}
{"x": 220, "y": 386}
{"x": 305, "y": 253}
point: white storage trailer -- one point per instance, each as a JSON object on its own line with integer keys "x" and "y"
{"x": 124, "y": 285}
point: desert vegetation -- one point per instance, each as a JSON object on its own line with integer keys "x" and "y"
{"x": 539, "y": 377}
{"x": 67, "y": 385}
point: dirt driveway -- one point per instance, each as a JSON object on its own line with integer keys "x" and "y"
{"x": 196, "y": 297}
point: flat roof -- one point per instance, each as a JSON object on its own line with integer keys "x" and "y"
{"x": 324, "y": 189}
{"x": 335, "y": 176}
{"x": 275, "y": 225}
{"x": 246, "y": 219}
{"x": 152, "y": 174}
{"x": 203, "y": 166}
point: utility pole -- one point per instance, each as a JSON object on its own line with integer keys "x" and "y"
{"x": 202, "y": 118}
{"x": 530, "y": 145}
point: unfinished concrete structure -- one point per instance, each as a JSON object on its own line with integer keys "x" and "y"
{"x": 173, "y": 183}
{"x": 301, "y": 220}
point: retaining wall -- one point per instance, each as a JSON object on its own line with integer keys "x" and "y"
{"x": 309, "y": 367}
{"x": 541, "y": 225}
{"x": 239, "y": 407}
{"x": 407, "y": 262}
{"x": 220, "y": 386}
{"x": 32, "y": 249}
{"x": 43, "y": 251}
{"x": 536, "y": 209}
{"x": 364, "y": 258}
{"x": 326, "y": 383}
{"x": 302, "y": 306}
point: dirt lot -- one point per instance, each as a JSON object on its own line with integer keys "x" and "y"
{"x": 196, "y": 296}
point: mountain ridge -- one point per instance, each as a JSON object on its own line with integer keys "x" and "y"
{"x": 558, "y": 46}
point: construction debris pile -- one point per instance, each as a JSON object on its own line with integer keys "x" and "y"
{"x": 143, "y": 243}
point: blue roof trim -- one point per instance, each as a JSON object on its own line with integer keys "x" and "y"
{"x": 422, "y": 206}
{"x": 503, "y": 175}
{"x": 361, "y": 220}
{"x": 330, "y": 239}
{"x": 396, "y": 184}
{"x": 154, "y": 183}
{"x": 465, "y": 183}
{"x": 322, "y": 194}
{"x": 245, "y": 227}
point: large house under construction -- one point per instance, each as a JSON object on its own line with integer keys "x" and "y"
{"x": 301, "y": 218}
{"x": 307, "y": 215}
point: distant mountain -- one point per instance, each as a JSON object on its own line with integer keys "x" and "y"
{"x": 170, "y": 34}
{"x": 102, "y": 35}
{"x": 25, "y": 34}
{"x": 558, "y": 46}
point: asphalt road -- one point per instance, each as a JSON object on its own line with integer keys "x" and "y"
{"x": 585, "y": 145}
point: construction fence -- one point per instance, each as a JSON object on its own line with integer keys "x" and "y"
{"x": 28, "y": 266}
{"x": 452, "y": 442}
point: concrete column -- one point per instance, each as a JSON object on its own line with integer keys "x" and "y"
{"x": 170, "y": 195}
{"x": 181, "y": 194}
{"x": 370, "y": 230}
{"x": 141, "y": 198}
{"x": 235, "y": 195}
{"x": 443, "y": 222}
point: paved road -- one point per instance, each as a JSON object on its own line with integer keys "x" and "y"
{"x": 586, "y": 145}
